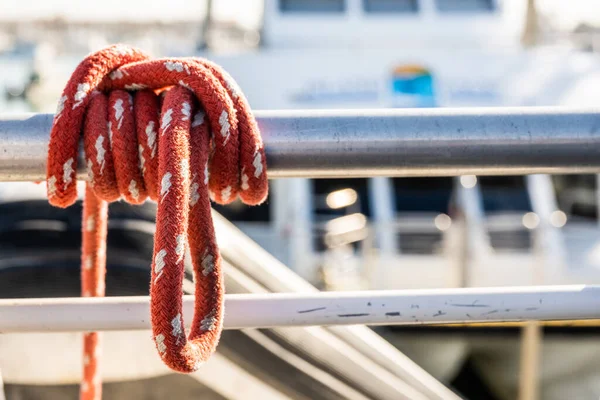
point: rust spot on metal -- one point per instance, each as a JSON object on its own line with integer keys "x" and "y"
{"x": 311, "y": 310}
{"x": 352, "y": 315}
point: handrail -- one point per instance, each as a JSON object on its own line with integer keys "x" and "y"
{"x": 405, "y": 307}
{"x": 391, "y": 142}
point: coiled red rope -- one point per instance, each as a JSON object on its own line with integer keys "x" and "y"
{"x": 179, "y": 131}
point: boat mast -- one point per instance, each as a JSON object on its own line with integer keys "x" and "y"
{"x": 531, "y": 35}
{"x": 206, "y": 26}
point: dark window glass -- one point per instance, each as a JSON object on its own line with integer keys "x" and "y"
{"x": 422, "y": 194}
{"x": 391, "y": 6}
{"x": 312, "y": 6}
{"x": 458, "y": 6}
{"x": 576, "y": 195}
{"x": 504, "y": 193}
{"x": 240, "y": 212}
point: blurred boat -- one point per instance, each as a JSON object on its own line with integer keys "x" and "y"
{"x": 384, "y": 233}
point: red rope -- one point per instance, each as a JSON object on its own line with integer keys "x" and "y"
{"x": 139, "y": 144}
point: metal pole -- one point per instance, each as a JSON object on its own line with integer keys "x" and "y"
{"x": 531, "y": 354}
{"x": 392, "y": 142}
{"x": 2, "y": 394}
{"x": 408, "y": 307}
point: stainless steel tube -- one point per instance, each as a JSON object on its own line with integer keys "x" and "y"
{"x": 395, "y": 307}
{"x": 411, "y": 142}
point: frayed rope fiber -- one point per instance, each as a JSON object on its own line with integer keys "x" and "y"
{"x": 176, "y": 130}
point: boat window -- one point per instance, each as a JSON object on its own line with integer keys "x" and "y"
{"x": 391, "y": 6}
{"x": 339, "y": 197}
{"x": 312, "y": 6}
{"x": 504, "y": 193}
{"x": 508, "y": 208}
{"x": 459, "y": 6}
{"x": 576, "y": 195}
{"x": 422, "y": 207}
{"x": 422, "y": 194}
{"x": 347, "y": 202}
{"x": 240, "y": 212}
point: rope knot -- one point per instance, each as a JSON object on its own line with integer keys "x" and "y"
{"x": 177, "y": 130}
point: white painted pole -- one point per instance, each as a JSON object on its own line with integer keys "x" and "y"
{"x": 407, "y": 307}
{"x": 2, "y": 394}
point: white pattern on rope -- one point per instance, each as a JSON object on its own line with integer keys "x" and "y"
{"x": 82, "y": 91}
{"x": 209, "y": 322}
{"x": 90, "y": 171}
{"x": 194, "y": 195}
{"x": 186, "y": 110}
{"x": 165, "y": 184}
{"x": 160, "y": 343}
{"x": 51, "y": 186}
{"x": 159, "y": 263}
{"x": 177, "y": 327}
{"x": 151, "y": 134}
{"x": 225, "y": 126}
{"x": 67, "y": 172}
{"x": 207, "y": 264}
{"x": 135, "y": 86}
{"x": 185, "y": 85}
{"x": 180, "y": 249}
{"x": 232, "y": 86}
{"x": 60, "y": 107}
{"x": 141, "y": 157}
{"x": 100, "y": 152}
{"x": 117, "y": 74}
{"x": 119, "y": 110}
{"x": 226, "y": 193}
{"x": 166, "y": 120}
{"x": 133, "y": 190}
{"x": 206, "y": 174}
{"x": 257, "y": 163}
{"x": 176, "y": 66}
{"x": 198, "y": 119}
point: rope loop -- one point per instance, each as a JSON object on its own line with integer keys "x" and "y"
{"x": 176, "y": 130}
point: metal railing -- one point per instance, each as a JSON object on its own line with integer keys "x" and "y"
{"x": 431, "y": 142}
{"x": 412, "y": 142}
{"x": 393, "y": 307}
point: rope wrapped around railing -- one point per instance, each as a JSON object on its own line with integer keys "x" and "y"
{"x": 180, "y": 132}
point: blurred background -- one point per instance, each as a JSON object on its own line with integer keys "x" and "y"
{"x": 334, "y": 234}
